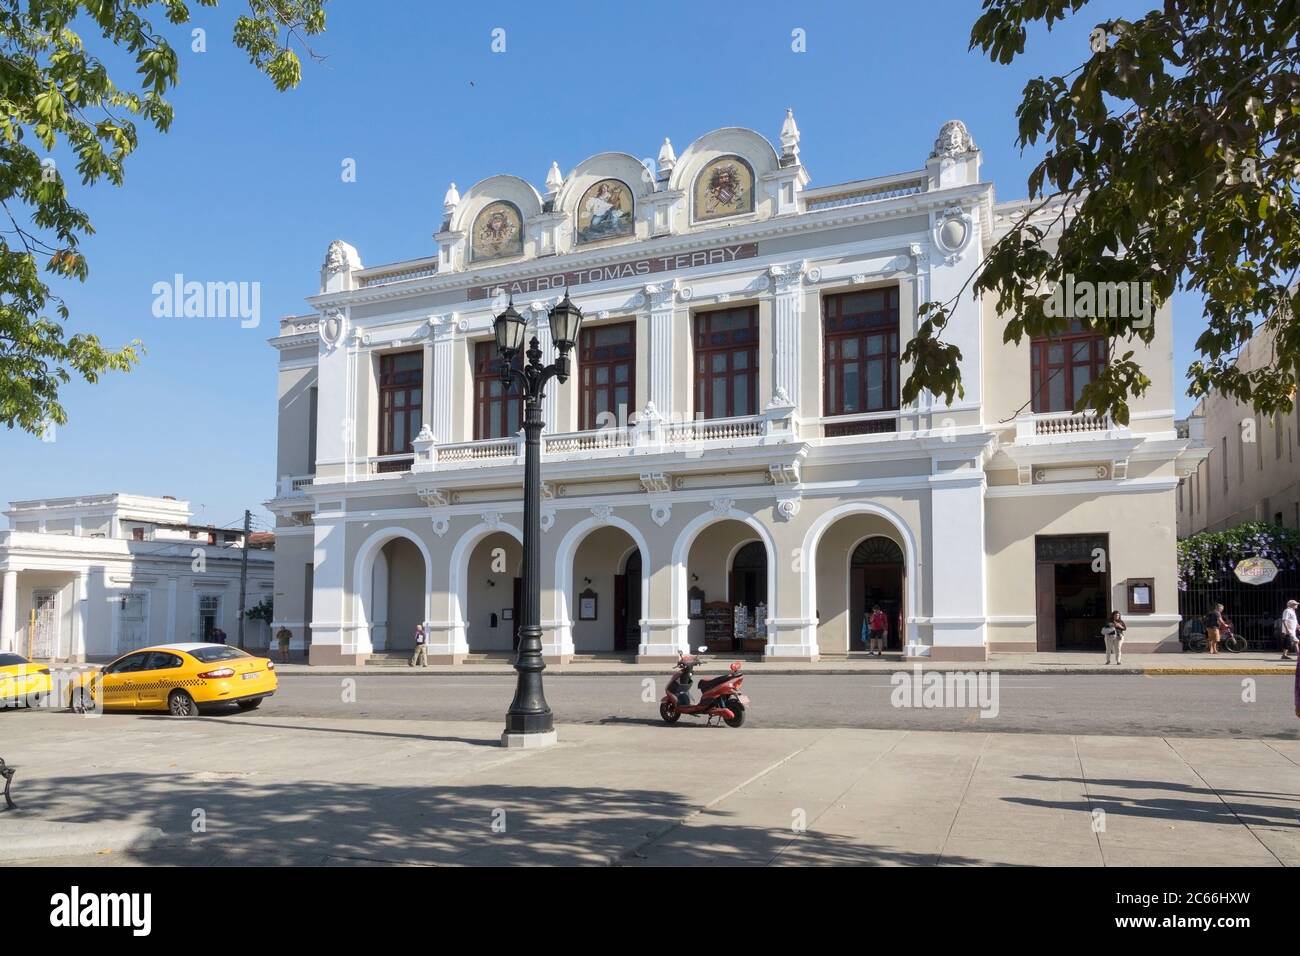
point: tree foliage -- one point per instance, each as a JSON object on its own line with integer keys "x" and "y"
{"x": 1171, "y": 157}
{"x": 55, "y": 90}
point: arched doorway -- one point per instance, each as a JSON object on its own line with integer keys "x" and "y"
{"x": 727, "y": 566}
{"x": 876, "y": 578}
{"x": 748, "y": 580}
{"x": 392, "y": 579}
{"x": 493, "y": 594}
{"x": 606, "y": 567}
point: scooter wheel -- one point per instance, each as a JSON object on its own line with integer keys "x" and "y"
{"x": 669, "y": 713}
{"x": 737, "y": 708}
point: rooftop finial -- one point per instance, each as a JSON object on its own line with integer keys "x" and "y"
{"x": 451, "y": 200}
{"x": 554, "y": 180}
{"x": 667, "y": 159}
{"x": 789, "y": 137}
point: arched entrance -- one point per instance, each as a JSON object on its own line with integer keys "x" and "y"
{"x": 605, "y": 592}
{"x": 728, "y": 566}
{"x": 862, "y": 554}
{"x": 393, "y": 577}
{"x": 876, "y": 579}
{"x": 493, "y": 598}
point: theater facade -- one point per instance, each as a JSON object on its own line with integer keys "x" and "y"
{"x": 730, "y": 462}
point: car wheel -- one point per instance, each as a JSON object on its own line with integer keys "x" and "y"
{"x": 80, "y": 701}
{"x": 181, "y": 704}
{"x": 35, "y": 699}
{"x": 249, "y": 704}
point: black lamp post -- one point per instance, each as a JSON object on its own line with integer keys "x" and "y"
{"x": 529, "y": 721}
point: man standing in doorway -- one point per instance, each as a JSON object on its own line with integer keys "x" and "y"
{"x": 421, "y": 655}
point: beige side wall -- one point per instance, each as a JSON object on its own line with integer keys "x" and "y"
{"x": 292, "y": 441}
{"x": 1141, "y": 530}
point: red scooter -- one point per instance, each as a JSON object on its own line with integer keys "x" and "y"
{"x": 720, "y": 696}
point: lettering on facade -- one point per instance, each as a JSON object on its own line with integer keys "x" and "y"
{"x": 557, "y": 281}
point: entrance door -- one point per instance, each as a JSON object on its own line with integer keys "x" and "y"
{"x": 1071, "y": 591}
{"x": 876, "y": 578}
{"x": 44, "y": 639}
{"x": 209, "y": 615}
{"x": 627, "y": 604}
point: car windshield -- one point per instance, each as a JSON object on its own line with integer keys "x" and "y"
{"x": 217, "y": 653}
{"x": 8, "y": 659}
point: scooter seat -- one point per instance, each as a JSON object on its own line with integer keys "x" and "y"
{"x": 713, "y": 682}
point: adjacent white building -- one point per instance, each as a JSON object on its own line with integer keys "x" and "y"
{"x": 90, "y": 577}
{"x": 733, "y": 433}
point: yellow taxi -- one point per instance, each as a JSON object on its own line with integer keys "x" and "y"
{"x": 22, "y": 683}
{"x": 178, "y": 678}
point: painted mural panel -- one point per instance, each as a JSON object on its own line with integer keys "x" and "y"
{"x": 725, "y": 187}
{"x": 498, "y": 232}
{"x": 605, "y": 211}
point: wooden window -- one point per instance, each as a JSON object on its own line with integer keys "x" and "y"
{"x": 496, "y": 409}
{"x": 607, "y": 374}
{"x": 860, "y": 352}
{"x": 726, "y": 363}
{"x": 1062, "y": 365}
{"x": 401, "y": 398}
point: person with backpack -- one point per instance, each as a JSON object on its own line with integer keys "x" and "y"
{"x": 877, "y": 627}
{"x": 1213, "y": 625}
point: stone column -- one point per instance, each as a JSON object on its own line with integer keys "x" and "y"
{"x": 80, "y": 616}
{"x": 9, "y": 611}
{"x": 171, "y": 608}
{"x": 787, "y": 295}
{"x": 660, "y": 301}
{"x": 439, "y": 379}
{"x": 957, "y": 572}
{"x": 333, "y": 640}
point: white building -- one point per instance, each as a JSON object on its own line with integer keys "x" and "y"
{"x": 90, "y": 577}
{"x": 732, "y": 433}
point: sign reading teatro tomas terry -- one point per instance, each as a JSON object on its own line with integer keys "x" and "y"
{"x": 555, "y": 281}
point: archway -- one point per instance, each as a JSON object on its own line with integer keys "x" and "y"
{"x": 493, "y": 598}
{"x": 392, "y": 580}
{"x": 604, "y": 592}
{"x": 726, "y": 562}
{"x": 859, "y": 554}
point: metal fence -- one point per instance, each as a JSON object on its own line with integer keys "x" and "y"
{"x": 1252, "y": 609}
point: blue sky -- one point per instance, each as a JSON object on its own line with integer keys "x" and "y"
{"x": 247, "y": 185}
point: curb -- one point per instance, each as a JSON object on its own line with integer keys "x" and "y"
{"x": 31, "y": 839}
{"x": 559, "y": 671}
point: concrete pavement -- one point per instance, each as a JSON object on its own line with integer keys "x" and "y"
{"x": 273, "y": 789}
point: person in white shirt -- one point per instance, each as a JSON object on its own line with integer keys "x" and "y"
{"x": 1289, "y": 631}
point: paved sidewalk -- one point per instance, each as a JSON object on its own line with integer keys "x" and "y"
{"x": 268, "y": 789}
{"x": 1251, "y": 662}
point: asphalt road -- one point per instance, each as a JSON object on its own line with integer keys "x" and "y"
{"x": 1178, "y": 706}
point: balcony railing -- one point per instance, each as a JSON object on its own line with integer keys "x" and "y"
{"x": 476, "y": 451}
{"x": 292, "y": 485}
{"x": 1062, "y": 425}
{"x": 389, "y": 464}
{"x": 595, "y": 439}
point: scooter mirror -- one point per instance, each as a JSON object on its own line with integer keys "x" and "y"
{"x": 702, "y": 648}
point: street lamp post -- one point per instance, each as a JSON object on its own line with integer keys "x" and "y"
{"x": 529, "y": 722}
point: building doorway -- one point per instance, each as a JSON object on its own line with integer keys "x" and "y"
{"x": 43, "y": 643}
{"x": 748, "y": 585}
{"x": 1072, "y": 591}
{"x": 627, "y": 604}
{"x": 876, "y": 578}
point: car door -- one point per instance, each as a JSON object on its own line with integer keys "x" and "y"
{"x": 119, "y": 686}
{"x": 155, "y": 680}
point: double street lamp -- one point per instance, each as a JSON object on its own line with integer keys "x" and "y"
{"x": 529, "y": 722}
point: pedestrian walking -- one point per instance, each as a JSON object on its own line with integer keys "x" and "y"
{"x": 1213, "y": 625}
{"x": 879, "y": 625}
{"x": 421, "y": 655}
{"x": 1113, "y": 634}
{"x": 284, "y": 636}
{"x": 218, "y": 636}
{"x": 1289, "y": 635}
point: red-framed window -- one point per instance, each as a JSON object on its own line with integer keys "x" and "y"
{"x": 607, "y": 374}
{"x": 1062, "y": 365}
{"x": 860, "y": 352}
{"x": 726, "y": 362}
{"x": 401, "y": 398}
{"x": 496, "y": 409}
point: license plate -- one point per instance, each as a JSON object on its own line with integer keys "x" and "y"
{"x": 250, "y": 675}
{"x": 743, "y": 699}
